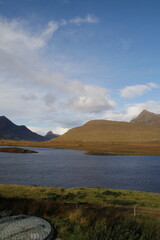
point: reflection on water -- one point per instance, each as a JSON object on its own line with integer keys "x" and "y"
{"x": 69, "y": 168}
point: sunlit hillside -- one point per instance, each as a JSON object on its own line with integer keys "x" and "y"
{"x": 112, "y": 131}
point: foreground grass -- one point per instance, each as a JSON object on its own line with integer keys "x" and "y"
{"x": 88, "y": 213}
{"x": 82, "y": 195}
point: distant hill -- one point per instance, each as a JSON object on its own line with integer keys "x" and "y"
{"x": 147, "y": 118}
{"x": 11, "y": 131}
{"x": 50, "y": 135}
{"x": 113, "y": 131}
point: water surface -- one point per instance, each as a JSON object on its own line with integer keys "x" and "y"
{"x": 69, "y": 168}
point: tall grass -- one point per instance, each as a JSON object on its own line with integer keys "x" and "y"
{"x": 82, "y": 214}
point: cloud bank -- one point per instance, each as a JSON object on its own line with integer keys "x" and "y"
{"x": 137, "y": 90}
{"x": 92, "y": 99}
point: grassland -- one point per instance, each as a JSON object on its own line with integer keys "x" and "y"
{"x": 88, "y": 213}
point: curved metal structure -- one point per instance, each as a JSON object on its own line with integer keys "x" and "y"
{"x": 23, "y": 227}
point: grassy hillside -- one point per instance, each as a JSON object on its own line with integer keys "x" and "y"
{"x": 88, "y": 213}
{"x": 111, "y": 131}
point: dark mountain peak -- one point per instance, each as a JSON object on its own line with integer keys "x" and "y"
{"x": 50, "y": 135}
{"x": 3, "y": 118}
{"x": 5, "y": 123}
{"x": 11, "y": 131}
{"x": 147, "y": 118}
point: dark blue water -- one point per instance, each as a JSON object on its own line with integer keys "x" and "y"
{"x": 69, "y": 168}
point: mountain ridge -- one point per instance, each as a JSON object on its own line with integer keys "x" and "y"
{"x": 11, "y": 131}
{"x": 145, "y": 127}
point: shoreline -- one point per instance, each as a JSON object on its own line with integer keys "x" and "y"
{"x": 94, "y": 148}
{"x": 56, "y": 188}
{"x": 16, "y": 150}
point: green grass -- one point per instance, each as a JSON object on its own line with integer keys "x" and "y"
{"x": 88, "y": 213}
{"x": 82, "y": 195}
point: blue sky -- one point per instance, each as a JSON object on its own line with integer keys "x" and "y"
{"x": 65, "y": 62}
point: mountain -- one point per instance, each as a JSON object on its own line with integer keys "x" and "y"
{"x": 10, "y": 131}
{"x": 147, "y": 118}
{"x": 50, "y": 135}
{"x": 100, "y": 131}
{"x": 144, "y": 128}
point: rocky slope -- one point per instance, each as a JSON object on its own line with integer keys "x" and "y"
{"x": 147, "y": 118}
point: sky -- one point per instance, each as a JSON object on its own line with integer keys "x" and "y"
{"x": 65, "y": 62}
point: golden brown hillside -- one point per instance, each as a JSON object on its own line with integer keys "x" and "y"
{"x": 112, "y": 131}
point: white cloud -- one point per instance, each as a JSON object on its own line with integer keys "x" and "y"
{"x": 60, "y": 130}
{"x": 91, "y": 98}
{"x": 17, "y": 101}
{"x": 20, "y": 60}
{"x": 88, "y": 19}
{"x": 153, "y": 85}
{"x": 23, "y": 67}
{"x": 14, "y": 36}
{"x": 51, "y": 28}
{"x": 20, "y": 56}
{"x": 136, "y": 90}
